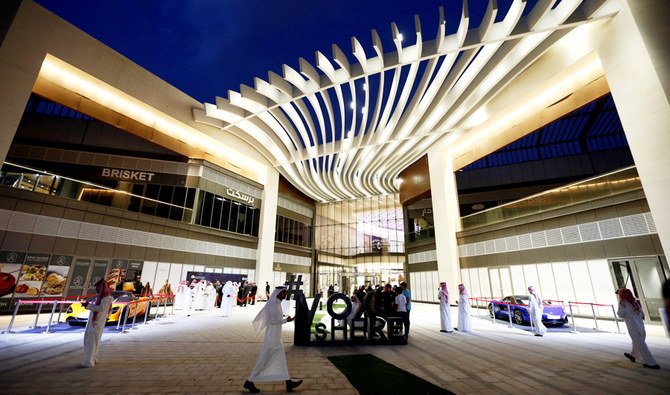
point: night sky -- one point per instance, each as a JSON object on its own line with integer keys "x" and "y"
{"x": 206, "y": 47}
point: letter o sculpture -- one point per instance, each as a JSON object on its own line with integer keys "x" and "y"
{"x": 343, "y": 315}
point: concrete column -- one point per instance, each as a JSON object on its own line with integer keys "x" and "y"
{"x": 446, "y": 216}
{"x": 20, "y": 62}
{"x": 635, "y": 56}
{"x": 266, "y": 233}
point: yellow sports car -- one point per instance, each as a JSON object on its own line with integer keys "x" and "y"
{"x": 123, "y": 303}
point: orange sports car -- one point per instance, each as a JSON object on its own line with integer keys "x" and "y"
{"x": 123, "y": 303}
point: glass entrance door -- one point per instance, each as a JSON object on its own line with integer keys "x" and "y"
{"x": 644, "y": 277}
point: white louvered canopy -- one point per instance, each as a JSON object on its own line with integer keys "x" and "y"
{"x": 340, "y": 130}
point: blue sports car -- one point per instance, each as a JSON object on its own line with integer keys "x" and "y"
{"x": 551, "y": 315}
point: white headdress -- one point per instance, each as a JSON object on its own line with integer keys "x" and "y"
{"x": 271, "y": 312}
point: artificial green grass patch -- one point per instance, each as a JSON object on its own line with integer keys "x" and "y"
{"x": 317, "y": 318}
{"x": 371, "y": 375}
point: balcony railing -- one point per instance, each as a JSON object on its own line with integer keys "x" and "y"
{"x": 610, "y": 184}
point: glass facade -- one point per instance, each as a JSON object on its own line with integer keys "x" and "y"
{"x": 291, "y": 231}
{"x": 360, "y": 242}
{"x": 165, "y": 201}
{"x": 420, "y": 223}
{"x": 218, "y": 212}
{"x": 610, "y": 184}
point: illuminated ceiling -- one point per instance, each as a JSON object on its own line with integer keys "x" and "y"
{"x": 341, "y": 130}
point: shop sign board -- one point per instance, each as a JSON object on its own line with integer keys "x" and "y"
{"x": 243, "y": 197}
{"x": 213, "y": 277}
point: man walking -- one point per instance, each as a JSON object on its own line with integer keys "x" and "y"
{"x": 271, "y": 364}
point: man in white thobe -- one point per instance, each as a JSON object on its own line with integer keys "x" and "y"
{"x": 179, "y": 295}
{"x": 271, "y": 364}
{"x": 464, "y": 323}
{"x": 445, "y": 310}
{"x": 210, "y": 296}
{"x": 96, "y": 322}
{"x": 536, "y": 309}
{"x": 229, "y": 293}
{"x": 199, "y": 290}
{"x": 631, "y": 312}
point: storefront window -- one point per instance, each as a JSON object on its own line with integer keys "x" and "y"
{"x": 222, "y": 213}
{"x": 420, "y": 223}
{"x": 293, "y": 232}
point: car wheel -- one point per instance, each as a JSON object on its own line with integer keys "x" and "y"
{"x": 518, "y": 317}
{"x": 490, "y": 309}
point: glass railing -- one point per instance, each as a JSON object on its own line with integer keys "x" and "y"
{"x": 610, "y": 184}
{"x": 421, "y": 234}
{"x": 23, "y": 177}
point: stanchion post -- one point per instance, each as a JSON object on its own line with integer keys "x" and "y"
{"x": 158, "y": 306}
{"x": 60, "y": 311}
{"x": 146, "y": 310}
{"x": 16, "y": 310}
{"x": 509, "y": 313}
{"x": 172, "y": 307}
{"x": 574, "y": 327}
{"x": 37, "y": 317}
{"x": 125, "y": 320}
{"x": 595, "y": 320}
{"x": 118, "y": 323}
{"x": 493, "y": 313}
{"x": 51, "y": 317}
{"x": 165, "y": 305}
{"x": 616, "y": 319}
{"x": 132, "y": 326}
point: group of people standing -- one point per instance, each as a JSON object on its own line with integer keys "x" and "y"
{"x": 204, "y": 295}
{"x": 464, "y": 323}
{"x": 198, "y": 295}
{"x": 246, "y": 293}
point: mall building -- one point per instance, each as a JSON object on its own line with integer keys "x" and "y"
{"x": 531, "y": 149}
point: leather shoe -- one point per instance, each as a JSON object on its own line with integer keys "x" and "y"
{"x": 632, "y": 358}
{"x": 651, "y": 366}
{"x": 248, "y": 385}
{"x": 292, "y": 384}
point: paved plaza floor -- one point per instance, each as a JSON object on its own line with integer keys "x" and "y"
{"x": 206, "y": 353}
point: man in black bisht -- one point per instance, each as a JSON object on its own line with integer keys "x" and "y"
{"x": 389, "y": 298}
{"x": 247, "y": 290}
{"x": 252, "y": 294}
{"x": 219, "y": 293}
{"x": 240, "y": 295}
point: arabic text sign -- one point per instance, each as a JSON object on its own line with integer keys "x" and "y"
{"x": 241, "y": 196}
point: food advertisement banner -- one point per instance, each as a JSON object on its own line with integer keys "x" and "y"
{"x": 11, "y": 263}
{"x": 33, "y": 272}
{"x": 56, "y": 276}
{"x": 78, "y": 278}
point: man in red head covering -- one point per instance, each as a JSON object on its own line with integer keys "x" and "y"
{"x": 464, "y": 323}
{"x": 96, "y": 322}
{"x": 445, "y": 309}
{"x": 536, "y": 310}
{"x": 631, "y": 311}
